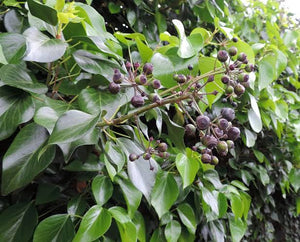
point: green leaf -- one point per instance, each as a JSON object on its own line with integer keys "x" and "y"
{"x": 267, "y": 71}
{"x": 237, "y": 228}
{"x": 164, "y": 193}
{"x": 16, "y": 107}
{"x": 46, "y": 117}
{"x": 250, "y": 138}
{"x": 239, "y": 185}
{"x": 17, "y": 76}
{"x": 114, "y": 8}
{"x": 102, "y": 189}
{"x": 222, "y": 204}
{"x": 47, "y": 192}
{"x": 94, "y": 223}
{"x": 294, "y": 177}
{"x": 90, "y": 164}
{"x": 43, "y": 12}
{"x": 18, "y": 222}
{"x": 127, "y": 229}
{"x": 188, "y": 166}
{"x": 57, "y": 227}
{"x": 41, "y": 48}
{"x": 115, "y": 155}
{"x": 207, "y": 64}
{"x": 77, "y": 206}
{"x": 21, "y": 163}
{"x": 132, "y": 196}
{"x": 236, "y": 205}
{"x": 145, "y": 51}
{"x": 217, "y": 231}
{"x": 210, "y": 199}
{"x": 213, "y": 177}
{"x": 71, "y": 126}
{"x": 254, "y": 115}
{"x": 187, "y": 217}
{"x": 259, "y": 155}
{"x": 263, "y": 174}
{"x": 185, "y": 47}
{"x": 139, "y": 171}
{"x": 246, "y": 199}
{"x": 139, "y": 223}
{"x": 13, "y": 47}
{"x": 172, "y": 231}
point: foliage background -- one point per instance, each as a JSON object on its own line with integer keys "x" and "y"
{"x": 64, "y": 186}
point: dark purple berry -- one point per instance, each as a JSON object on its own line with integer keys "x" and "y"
{"x": 190, "y": 130}
{"x": 117, "y": 77}
{"x": 148, "y": 69}
{"x": 233, "y": 133}
{"x": 147, "y": 156}
{"x": 206, "y": 158}
{"x": 232, "y": 51}
{"x": 224, "y": 100}
{"x": 228, "y": 113}
{"x": 114, "y": 88}
{"x": 241, "y": 57}
{"x": 231, "y": 67}
{"x": 239, "y": 89}
{"x": 156, "y": 84}
{"x": 136, "y": 65}
{"x": 222, "y": 55}
{"x": 181, "y": 78}
{"x": 202, "y": 122}
{"x": 211, "y": 78}
{"x": 209, "y": 141}
{"x": 141, "y": 79}
{"x": 190, "y": 67}
{"x": 245, "y": 61}
{"x": 219, "y": 133}
{"x": 206, "y": 151}
{"x": 162, "y": 147}
{"x": 234, "y": 104}
{"x": 223, "y": 124}
{"x": 154, "y": 98}
{"x": 128, "y": 65}
{"x": 137, "y": 101}
{"x": 243, "y": 77}
{"x": 235, "y": 39}
{"x": 164, "y": 155}
{"x": 225, "y": 79}
{"x": 133, "y": 157}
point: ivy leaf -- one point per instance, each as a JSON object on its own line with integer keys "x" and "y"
{"x": 237, "y": 228}
{"x": 267, "y": 71}
{"x": 102, "y": 189}
{"x": 250, "y": 138}
{"x": 254, "y": 115}
{"x": 71, "y": 126}
{"x": 236, "y": 205}
{"x": 77, "y": 206}
{"x": 187, "y": 216}
{"x": 164, "y": 193}
{"x": 20, "y": 221}
{"x": 57, "y": 227}
{"x": 43, "y": 12}
{"x": 41, "y": 48}
{"x": 210, "y": 200}
{"x": 94, "y": 223}
{"x": 188, "y": 166}
{"x": 172, "y": 231}
{"x": 21, "y": 163}
{"x": 132, "y": 196}
{"x": 16, "y": 107}
{"x": 13, "y": 47}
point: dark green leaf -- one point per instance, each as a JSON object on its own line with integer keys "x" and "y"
{"x": 46, "y": 193}
{"x": 90, "y": 164}
{"x": 294, "y": 177}
{"x": 21, "y": 163}
{"x": 131, "y": 194}
{"x": 114, "y": 8}
{"x": 16, "y": 107}
{"x": 16, "y": 76}
{"x": 172, "y": 231}
{"x": 164, "y": 193}
{"x": 102, "y": 189}
{"x": 18, "y": 222}
{"x": 71, "y": 126}
{"x": 139, "y": 223}
{"x": 57, "y": 227}
{"x": 94, "y": 223}
{"x": 187, "y": 217}
{"x": 43, "y": 12}
{"x": 77, "y": 206}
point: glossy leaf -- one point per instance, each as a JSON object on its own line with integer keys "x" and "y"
{"x": 139, "y": 171}
{"x": 90, "y": 164}
{"x": 71, "y": 126}
{"x": 210, "y": 200}
{"x": 139, "y": 223}
{"x": 254, "y": 115}
{"x": 187, "y": 217}
{"x": 237, "y": 228}
{"x": 41, "y": 48}
{"x": 94, "y": 223}
{"x": 132, "y": 196}
{"x": 236, "y": 205}
{"x": 250, "y": 138}
{"x": 57, "y": 227}
{"x": 266, "y": 71}
{"x": 102, "y": 189}
{"x": 43, "y": 12}
{"x": 172, "y": 231}
{"x": 18, "y": 222}
{"x": 17, "y": 76}
{"x": 164, "y": 193}
{"x": 21, "y": 163}
{"x": 13, "y": 47}
{"x": 188, "y": 166}
{"x": 16, "y": 107}
{"x": 76, "y": 206}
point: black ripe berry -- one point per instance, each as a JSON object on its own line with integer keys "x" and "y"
{"x": 148, "y": 69}
{"x": 222, "y": 55}
{"x": 137, "y": 101}
{"x": 228, "y": 113}
{"x": 114, "y": 88}
{"x": 202, "y": 122}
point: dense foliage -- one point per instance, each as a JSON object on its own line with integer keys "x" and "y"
{"x": 149, "y": 120}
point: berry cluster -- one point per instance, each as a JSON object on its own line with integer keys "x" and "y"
{"x": 215, "y": 135}
{"x": 136, "y": 77}
{"x": 155, "y": 148}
